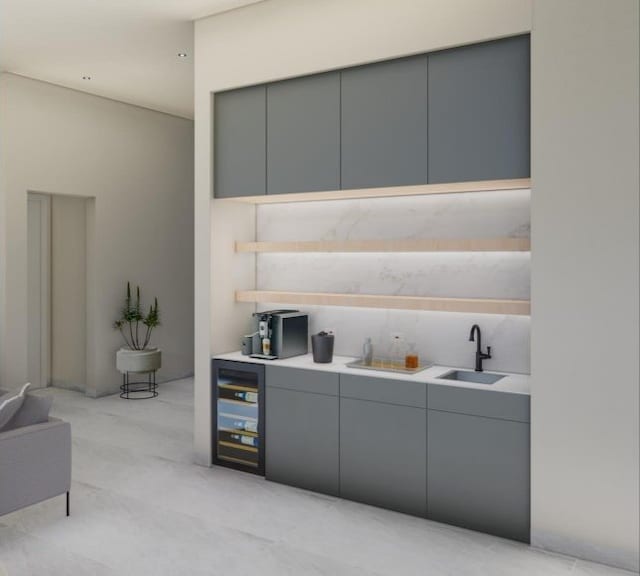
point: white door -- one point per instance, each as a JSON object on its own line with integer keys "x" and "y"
{"x": 69, "y": 292}
{"x": 38, "y": 288}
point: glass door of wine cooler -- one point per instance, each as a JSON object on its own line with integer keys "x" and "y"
{"x": 238, "y": 410}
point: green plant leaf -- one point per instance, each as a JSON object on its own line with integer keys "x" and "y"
{"x": 131, "y": 314}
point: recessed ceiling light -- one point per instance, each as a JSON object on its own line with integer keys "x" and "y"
{"x": 86, "y": 77}
{"x": 182, "y": 54}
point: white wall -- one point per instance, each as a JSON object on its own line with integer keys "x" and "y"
{"x": 585, "y": 435}
{"x": 287, "y": 38}
{"x": 585, "y": 226}
{"x": 138, "y": 166}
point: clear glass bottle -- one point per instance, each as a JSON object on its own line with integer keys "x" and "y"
{"x": 367, "y": 352}
{"x": 396, "y": 356}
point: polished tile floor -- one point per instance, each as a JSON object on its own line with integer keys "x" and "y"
{"x": 139, "y": 506}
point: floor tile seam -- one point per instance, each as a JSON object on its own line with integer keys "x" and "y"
{"x": 533, "y": 550}
{"x": 105, "y": 443}
{"x": 86, "y": 435}
{"x": 328, "y": 559}
{"x": 210, "y": 524}
{"x": 125, "y": 417}
{"x": 41, "y": 541}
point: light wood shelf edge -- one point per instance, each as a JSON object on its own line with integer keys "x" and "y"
{"x": 470, "y": 305}
{"x": 408, "y": 245}
{"x": 391, "y": 191}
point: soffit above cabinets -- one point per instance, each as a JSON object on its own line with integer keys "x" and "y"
{"x": 125, "y": 50}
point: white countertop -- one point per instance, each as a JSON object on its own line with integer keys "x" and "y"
{"x": 512, "y": 383}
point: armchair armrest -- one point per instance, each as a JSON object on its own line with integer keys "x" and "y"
{"x": 35, "y": 464}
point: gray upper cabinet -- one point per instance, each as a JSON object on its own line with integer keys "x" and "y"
{"x": 384, "y": 124}
{"x": 383, "y": 455}
{"x": 303, "y": 134}
{"x": 479, "y": 111}
{"x": 478, "y": 473}
{"x": 450, "y": 116}
{"x": 239, "y": 142}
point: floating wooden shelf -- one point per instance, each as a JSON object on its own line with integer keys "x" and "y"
{"x": 424, "y": 245}
{"x": 419, "y": 190}
{"x": 472, "y": 305}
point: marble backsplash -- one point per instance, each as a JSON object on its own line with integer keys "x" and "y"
{"x": 486, "y": 214}
{"x": 440, "y": 337}
{"x": 454, "y": 275}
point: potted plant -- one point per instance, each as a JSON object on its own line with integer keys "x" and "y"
{"x": 136, "y": 328}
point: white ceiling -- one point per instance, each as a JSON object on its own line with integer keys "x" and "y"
{"x": 129, "y": 48}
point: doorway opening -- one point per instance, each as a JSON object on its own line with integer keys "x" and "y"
{"x": 59, "y": 230}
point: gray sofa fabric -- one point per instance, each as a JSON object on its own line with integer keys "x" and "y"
{"x": 10, "y": 403}
{"x": 34, "y": 410}
{"x": 35, "y": 464}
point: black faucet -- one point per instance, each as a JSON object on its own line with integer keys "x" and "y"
{"x": 480, "y": 355}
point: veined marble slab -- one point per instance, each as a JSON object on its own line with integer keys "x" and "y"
{"x": 440, "y": 337}
{"x": 486, "y": 215}
{"x": 448, "y": 275}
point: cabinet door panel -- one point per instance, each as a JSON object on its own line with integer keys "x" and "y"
{"x": 388, "y": 390}
{"x": 302, "y": 439}
{"x": 384, "y": 124}
{"x": 487, "y": 403}
{"x": 302, "y": 380}
{"x": 383, "y": 455}
{"x": 478, "y": 473}
{"x": 303, "y": 134}
{"x": 239, "y": 147}
{"x": 479, "y": 111}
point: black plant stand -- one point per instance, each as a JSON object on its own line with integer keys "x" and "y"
{"x": 141, "y": 389}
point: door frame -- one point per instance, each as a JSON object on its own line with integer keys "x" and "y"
{"x": 45, "y": 285}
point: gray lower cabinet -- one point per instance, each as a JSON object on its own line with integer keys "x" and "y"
{"x": 383, "y": 455}
{"x": 303, "y": 134}
{"x": 239, "y": 142}
{"x": 478, "y": 473}
{"x": 451, "y": 454}
{"x": 302, "y": 434}
{"x": 479, "y": 126}
{"x": 384, "y": 124}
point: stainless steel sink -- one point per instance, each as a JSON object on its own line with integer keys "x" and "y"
{"x": 468, "y": 376}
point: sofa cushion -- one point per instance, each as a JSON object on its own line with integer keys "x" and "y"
{"x": 34, "y": 410}
{"x": 10, "y": 403}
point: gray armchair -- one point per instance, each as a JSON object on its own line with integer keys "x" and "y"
{"x": 35, "y": 464}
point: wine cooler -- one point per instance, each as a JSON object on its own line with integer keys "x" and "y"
{"x": 238, "y": 415}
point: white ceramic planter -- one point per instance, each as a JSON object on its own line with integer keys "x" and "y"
{"x": 128, "y": 360}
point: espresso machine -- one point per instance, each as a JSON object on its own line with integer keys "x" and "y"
{"x": 281, "y": 334}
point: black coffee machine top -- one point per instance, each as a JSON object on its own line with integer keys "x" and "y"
{"x": 282, "y": 333}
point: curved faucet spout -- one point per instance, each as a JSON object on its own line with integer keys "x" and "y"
{"x": 476, "y": 336}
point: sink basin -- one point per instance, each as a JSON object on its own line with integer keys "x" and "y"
{"x": 468, "y": 376}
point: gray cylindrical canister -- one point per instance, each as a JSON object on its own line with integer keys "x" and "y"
{"x": 322, "y": 347}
